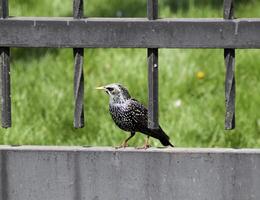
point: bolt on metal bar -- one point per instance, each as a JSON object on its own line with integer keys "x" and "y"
{"x": 230, "y": 86}
{"x": 5, "y": 74}
{"x": 152, "y": 58}
{"x": 78, "y": 72}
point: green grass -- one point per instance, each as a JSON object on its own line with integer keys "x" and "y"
{"x": 42, "y": 84}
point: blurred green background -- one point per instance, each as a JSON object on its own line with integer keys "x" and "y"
{"x": 192, "y": 110}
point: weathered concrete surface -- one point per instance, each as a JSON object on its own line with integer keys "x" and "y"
{"x": 75, "y": 173}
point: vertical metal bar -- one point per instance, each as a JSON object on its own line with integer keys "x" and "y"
{"x": 230, "y": 86}
{"x": 152, "y": 58}
{"x": 152, "y": 9}
{"x": 78, "y": 9}
{"x": 4, "y": 11}
{"x": 5, "y": 74}
{"x": 228, "y": 9}
{"x": 78, "y": 72}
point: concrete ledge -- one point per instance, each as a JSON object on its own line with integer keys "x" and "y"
{"x": 77, "y": 173}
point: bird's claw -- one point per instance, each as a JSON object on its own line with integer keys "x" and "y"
{"x": 124, "y": 145}
{"x": 146, "y": 146}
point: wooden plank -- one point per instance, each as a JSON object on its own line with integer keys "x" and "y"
{"x": 78, "y": 72}
{"x": 230, "y": 86}
{"x": 5, "y": 75}
{"x": 152, "y": 60}
{"x": 124, "y": 32}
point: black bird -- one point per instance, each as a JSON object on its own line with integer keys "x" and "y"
{"x": 130, "y": 115}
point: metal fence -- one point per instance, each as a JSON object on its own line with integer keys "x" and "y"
{"x": 152, "y": 33}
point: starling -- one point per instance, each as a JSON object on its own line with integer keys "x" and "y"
{"x": 130, "y": 115}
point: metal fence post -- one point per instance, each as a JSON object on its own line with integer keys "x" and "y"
{"x": 230, "y": 86}
{"x": 78, "y": 72}
{"x": 5, "y": 74}
{"x": 152, "y": 58}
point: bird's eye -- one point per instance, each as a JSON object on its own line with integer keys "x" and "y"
{"x": 110, "y": 89}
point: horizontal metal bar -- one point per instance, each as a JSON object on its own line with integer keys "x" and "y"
{"x": 70, "y": 173}
{"x": 134, "y": 32}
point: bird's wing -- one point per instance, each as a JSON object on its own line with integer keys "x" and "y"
{"x": 138, "y": 114}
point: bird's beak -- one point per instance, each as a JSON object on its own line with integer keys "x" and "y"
{"x": 100, "y": 88}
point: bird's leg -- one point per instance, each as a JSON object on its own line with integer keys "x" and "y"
{"x": 146, "y": 144}
{"x": 124, "y": 144}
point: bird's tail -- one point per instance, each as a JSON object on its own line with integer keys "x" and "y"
{"x": 164, "y": 139}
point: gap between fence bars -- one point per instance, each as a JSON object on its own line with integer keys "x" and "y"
{"x": 246, "y": 39}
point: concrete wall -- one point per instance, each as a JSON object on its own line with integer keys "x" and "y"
{"x": 75, "y": 173}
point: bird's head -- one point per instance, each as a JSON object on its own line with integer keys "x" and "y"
{"x": 116, "y": 92}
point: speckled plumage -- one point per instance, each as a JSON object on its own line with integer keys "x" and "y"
{"x": 130, "y": 115}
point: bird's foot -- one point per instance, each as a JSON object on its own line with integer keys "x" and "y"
{"x": 124, "y": 145}
{"x": 146, "y": 146}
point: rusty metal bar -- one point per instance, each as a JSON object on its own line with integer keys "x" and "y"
{"x": 152, "y": 57}
{"x": 230, "y": 86}
{"x": 5, "y": 74}
{"x": 78, "y": 72}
